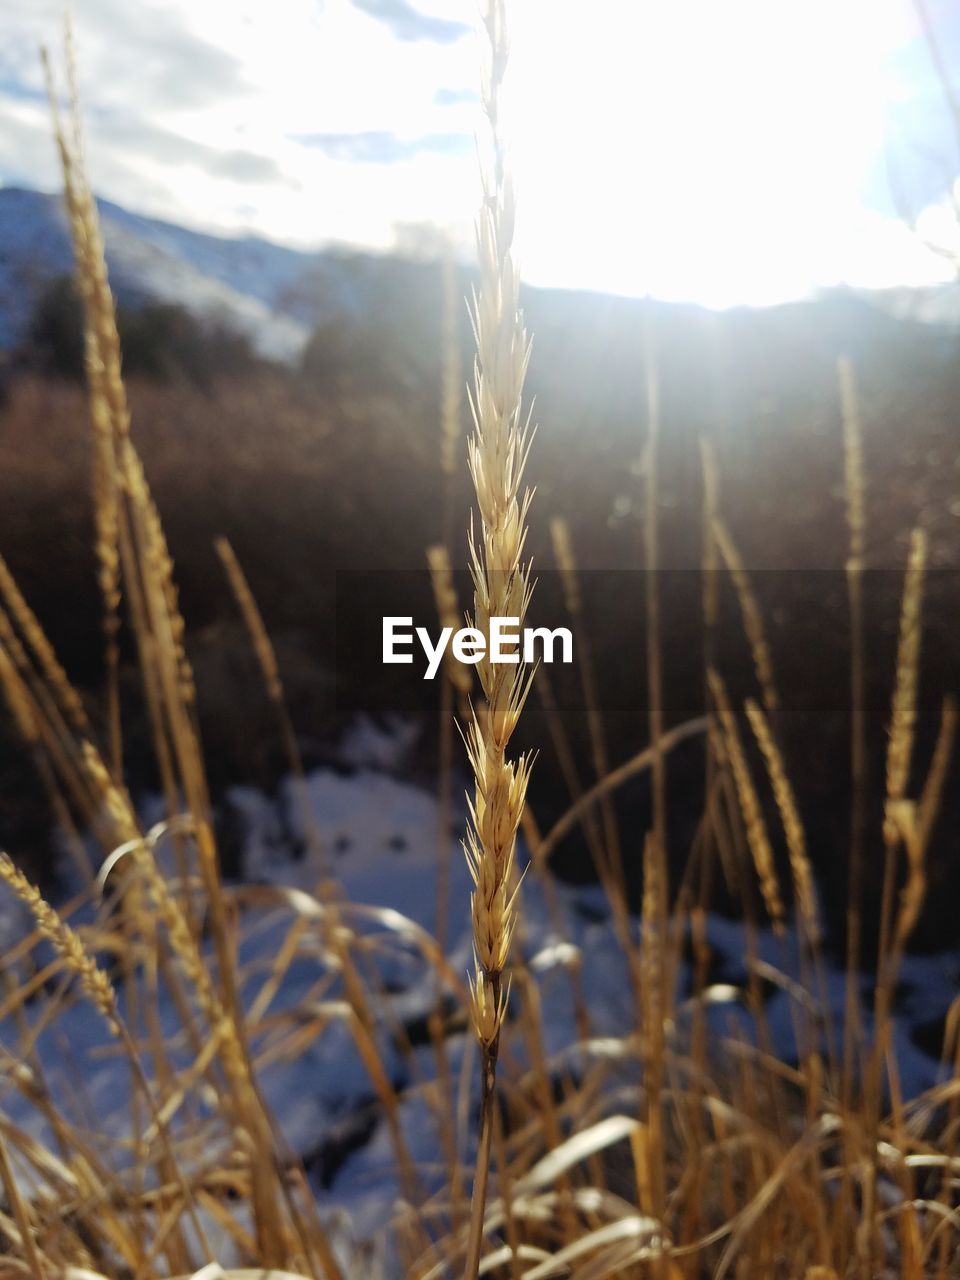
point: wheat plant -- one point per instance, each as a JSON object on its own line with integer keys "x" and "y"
{"x": 501, "y": 580}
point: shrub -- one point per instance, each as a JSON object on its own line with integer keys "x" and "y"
{"x": 163, "y": 341}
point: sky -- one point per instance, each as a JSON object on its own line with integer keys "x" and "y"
{"x": 716, "y": 151}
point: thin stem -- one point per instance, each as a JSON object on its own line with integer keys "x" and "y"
{"x": 478, "y": 1203}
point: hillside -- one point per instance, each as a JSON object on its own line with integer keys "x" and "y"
{"x": 257, "y": 286}
{"x": 277, "y": 295}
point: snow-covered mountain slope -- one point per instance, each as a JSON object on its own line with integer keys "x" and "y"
{"x": 274, "y": 294}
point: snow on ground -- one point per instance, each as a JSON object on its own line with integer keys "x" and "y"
{"x": 376, "y": 837}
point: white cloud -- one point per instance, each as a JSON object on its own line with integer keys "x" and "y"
{"x": 690, "y": 149}
{"x": 192, "y": 111}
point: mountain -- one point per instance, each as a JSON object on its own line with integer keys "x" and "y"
{"x": 277, "y": 295}
{"x": 274, "y": 294}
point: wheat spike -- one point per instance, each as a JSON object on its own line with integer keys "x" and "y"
{"x": 803, "y": 882}
{"x": 752, "y": 617}
{"x": 497, "y": 451}
{"x": 67, "y": 943}
{"x": 904, "y": 709}
{"x": 855, "y": 480}
{"x": 756, "y": 827}
{"x": 252, "y": 619}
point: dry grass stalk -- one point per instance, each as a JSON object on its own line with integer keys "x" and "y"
{"x": 854, "y": 473}
{"x": 497, "y": 451}
{"x": 563, "y": 553}
{"x": 568, "y": 767}
{"x": 566, "y": 564}
{"x": 338, "y": 936}
{"x": 98, "y": 989}
{"x": 752, "y": 616}
{"x": 804, "y": 885}
{"x": 756, "y": 828}
{"x": 252, "y": 619}
{"x": 270, "y": 671}
{"x": 904, "y": 710}
{"x": 710, "y": 562}
{"x": 18, "y": 700}
{"x": 449, "y": 614}
{"x": 159, "y": 629}
{"x": 929, "y": 804}
{"x": 655, "y": 975}
{"x": 855, "y": 488}
{"x": 899, "y": 828}
{"x": 915, "y": 826}
{"x": 34, "y": 637}
{"x": 65, "y": 941}
{"x": 800, "y": 868}
{"x": 56, "y": 754}
{"x": 651, "y": 556}
{"x": 21, "y": 1216}
{"x": 451, "y": 393}
{"x": 110, "y": 415}
{"x": 457, "y": 687}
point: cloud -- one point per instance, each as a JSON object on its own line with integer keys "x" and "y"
{"x": 138, "y": 137}
{"x": 407, "y": 23}
{"x": 145, "y": 54}
{"x": 382, "y": 147}
{"x": 217, "y": 116}
{"x": 346, "y": 119}
{"x": 167, "y": 64}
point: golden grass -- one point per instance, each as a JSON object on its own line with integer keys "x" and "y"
{"x": 672, "y": 1150}
{"x": 497, "y": 453}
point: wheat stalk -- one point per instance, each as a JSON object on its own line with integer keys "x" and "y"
{"x": 752, "y": 616}
{"x": 709, "y": 558}
{"x": 904, "y": 711}
{"x": 98, "y": 989}
{"x": 110, "y": 415}
{"x": 756, "y": 827}
{"x": 497, "y": 451}
{"x": 65, "y": 941}
{"x": 855, "y": 486}
{"x": 566, "y": 561}
{"x": 450, "y": 393}
{"x": 252, "y": 618}
{"x": 801, "y": 871}
{"x": 899, "y": 819}
{"x": 36, "y": 640}
{"x": 855, "y": 481}
{"x": 448, "y": 611}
